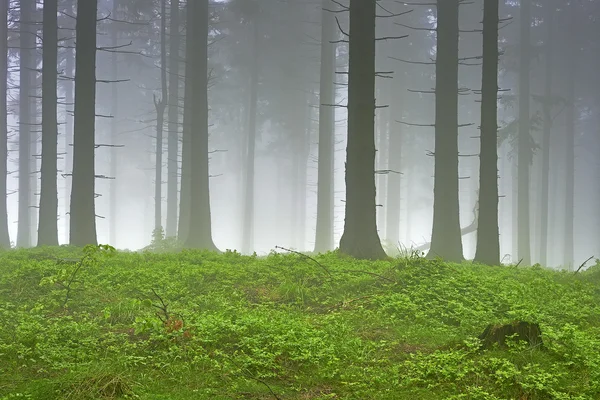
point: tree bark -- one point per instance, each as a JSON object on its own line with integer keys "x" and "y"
{"x": 26, "y": 67}
{"x": 173, "y": 121}
{"x": 325, "y": 176}
{"x": 4, "y": 236}
{"x": 48, "y": 224}
{"x": 360, "y": 238}
{"x": 524, "y": 140}
{"x": 248, "y": 225}
{"x": 200, "y": 234}
{"x": 487, "y": 250}
{"x": 446, "y": 241}
{"x": 547, "y": 131}
{"x": 83, "y": 213}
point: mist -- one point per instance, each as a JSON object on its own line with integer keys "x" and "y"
{"x": 268, "y": 112}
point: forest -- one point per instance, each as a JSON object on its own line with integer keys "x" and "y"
{"x": 300, "y": 199}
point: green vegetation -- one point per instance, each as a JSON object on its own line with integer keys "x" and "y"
{"x": 196, "y": 325}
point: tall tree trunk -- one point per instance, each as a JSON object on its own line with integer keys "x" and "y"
{"x": 488, "y": 235}
{"x": 325, "y": 179}
{"x": 446, "y": 241}
{"x": 183, "y": 228}
{"x": 83, "y": 211}
{"x": 26, "y": 68}
{"x": 570, "y": 139}
{"x": 200, "y": 233}
{"x": 160, "y": 106}
{"x": 248, "y": 226}
{"x": 381, "y": 163}
{"x": 48, "y": 224}
{"x": 394, "y": 149}
{"x": 360, "y": 238}
{"x": 546, "y": 131}
{"x": 4, "y": 236}
{"x": 173, "y": 121}
{"x": 68, "y": 137}
{"x": 524, "y": 141}
{"x": 114, "y": 129}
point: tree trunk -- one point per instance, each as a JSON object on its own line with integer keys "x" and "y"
{"x": 394, "y": 150}
{"x": 48, "y": 224}
{"x": 572, "y": 58}
{"x": 381, "y": 163}
{"x": 83, "y": 212}
{"x": 325, "y": 178}
{"x": 488, "y": 235}
{"x": 524, "y": 141}
{"x": 200, "y": 234}
{"x": 546, "y": 132}
{"x": 248, "y": 226}
{"x": 4, "y": 236}
{"x": 446, "y": 241}
{"x": 360, "y": 238}
{"x": 26, "y": 68}
{"x": 173, "y": 121}
{"x": 183, "y": 228}
{"x": 113, "y": 219}
{"x": 160, "y": 106}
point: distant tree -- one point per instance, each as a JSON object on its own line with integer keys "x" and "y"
{"x": 524, "y": 141}
{"x": 572, "y": 67}
{"x": 48, "y": 223}
{"x": 83, "y": 214}
{"x": 173, "y": 120}
{"x": 27, "y": 34}
{"x": 446, "y": 240}
{"x": 200, "y": 230}
{"x": 4, "y": 236}
{"x": 550, "y": 8}
{"x": 325, "y": 182}
{"x": 251, "y": 10}
{"x": 360, "y": 238}
{"x": 160, "y": 106}
{"x": 114, "y": 124}
{"x": 488, "y": 236}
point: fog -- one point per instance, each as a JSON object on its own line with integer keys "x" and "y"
{"x": 288, "y": 57}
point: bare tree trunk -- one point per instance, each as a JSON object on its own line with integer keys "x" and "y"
{"x": 381, "y": 163}
{"x": 200, "y": 233}
{"x": 114, "y": 130}
{"x": 183, "y": 228}
{"x": 394, "y": 150}
{"x": 83, "y": 212}
{"x": 488, "y": 235}
{"x": 160, "y": 106}
{"x": 4, "y": 236}
{"x": 360, "y": 238}
{"x": 325, "y": 183}
{"x": 68, "y": 137}
{"x": 26, "y": 65}
{"x": 173, "y": 121}
{"x": 546, "y": 131}
{"x": 248, "y": 226}
{"x": 48, "y": 224}
{"x": 524, "y": 141}
{"x": 570, "y": 140}
{"x": 446, "y": 241}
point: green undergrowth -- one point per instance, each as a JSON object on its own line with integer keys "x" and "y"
{"x": 101, "y": 324}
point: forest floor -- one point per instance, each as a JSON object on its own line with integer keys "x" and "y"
{"x": 193, "y": 325}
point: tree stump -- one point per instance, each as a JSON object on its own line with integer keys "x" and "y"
{"x": 523, "y": 331}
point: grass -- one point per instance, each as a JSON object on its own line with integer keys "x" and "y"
{"x": 196, "y": 325}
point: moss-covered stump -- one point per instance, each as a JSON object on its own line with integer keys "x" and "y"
{"x": 522, "y": 331}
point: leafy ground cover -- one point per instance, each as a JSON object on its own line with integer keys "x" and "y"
{"x": 196, "y": 325}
